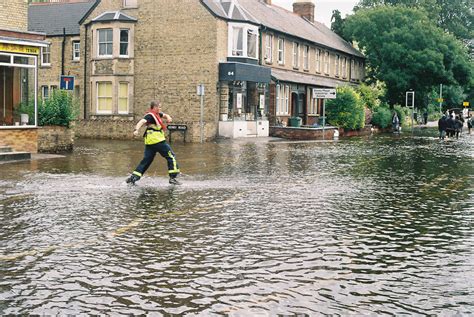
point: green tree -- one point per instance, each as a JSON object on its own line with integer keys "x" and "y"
{"x": 347, "y": 110}
{"x": 337, "y": 23}
{"x": 405, "y": 50}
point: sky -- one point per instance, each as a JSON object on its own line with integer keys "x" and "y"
{"x": 323, "y": 8}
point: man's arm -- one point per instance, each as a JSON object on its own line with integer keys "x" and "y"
{"x": 138, "y": 126}
{"x": 167, "y": 117}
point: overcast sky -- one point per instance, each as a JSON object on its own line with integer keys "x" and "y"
{"x": 324, "y": 8}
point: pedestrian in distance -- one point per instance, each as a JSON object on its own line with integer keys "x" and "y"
{"x": 469, "y": 124}
{"x": 442, "y": 123}
{"x": 458, "y": 124}
{"x": 450, "y": 125}
{"x": 425, "y": 117}
{"x": 395, "y": 123}
{"x": 155, "y": 142}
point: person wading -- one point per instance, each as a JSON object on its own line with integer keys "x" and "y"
{"x": 155, "y": 141}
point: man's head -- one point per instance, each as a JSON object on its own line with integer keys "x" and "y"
{"x": 155, "y": 104}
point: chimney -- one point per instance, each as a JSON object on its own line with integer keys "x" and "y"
{"x": 305, "y": 9}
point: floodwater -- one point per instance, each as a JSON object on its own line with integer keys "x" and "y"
{"x": 377, "y": 225}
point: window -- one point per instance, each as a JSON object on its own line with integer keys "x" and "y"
{"x": 105, "y": 42}
{"x": 296, "y": 53}
{"x": 352, "y": 69}
{"x": 130, "y": 3}
{"x": 336, "y": 65}
{"x": 45, "y": 92}
{"x": 46, "y": 56}
{"x": 123, "y": 98}
{"x": 244, "y": 40}
{"x": 269, "y": 48}
{"x": 326, "y": 63}
{"x": 123, "y": 42}
{"x": 305, "y": 57}
{"x": 313, "y": 103}
{"x": 281, "y": 51}
{"x": 76, "y": 50}
{"x": 104, "y": 97}
{"x": 344, "y": 67}
{"x": 318, "y": 60}
{"x": 282, "y": 99}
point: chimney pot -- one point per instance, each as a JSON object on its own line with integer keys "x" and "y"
{"x": 304, "y": 8}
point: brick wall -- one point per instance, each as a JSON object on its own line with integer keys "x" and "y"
{"x": 14, "y": 15}
{"x": 21, "y": 140}
{"x": 54, "y": 139}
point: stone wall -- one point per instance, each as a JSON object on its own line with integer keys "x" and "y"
{"x": 302, "y": 133}
{"x": 55, "y": 139}
{"x": 14, "y": 15}
{"x": 20, "y": 139}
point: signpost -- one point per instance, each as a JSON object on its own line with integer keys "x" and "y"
{"x": 410, "y": 102}
{"x": 324, "y": 93}
{"x": 200, "y": 92}
{"x": 66, "y": 82}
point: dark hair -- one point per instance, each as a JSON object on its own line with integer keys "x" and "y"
{"x": 154, "y": 104}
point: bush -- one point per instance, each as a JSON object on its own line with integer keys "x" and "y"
{"x": 403, "y": 113}
{"x": 382, "y": 117}
{"x": 59, "y": 109}
{"x": 347, "y": 110}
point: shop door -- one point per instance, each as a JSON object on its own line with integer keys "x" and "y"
{"x": 6, "y": 95}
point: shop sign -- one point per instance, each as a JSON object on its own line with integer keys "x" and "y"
{"x": 15, "y": 48}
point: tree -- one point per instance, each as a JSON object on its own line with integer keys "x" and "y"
{"x": 405, "y": 50}
{"x": 337, "y": 23}
{"x": 347, "y": 110}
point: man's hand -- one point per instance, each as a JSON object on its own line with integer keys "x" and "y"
{"x": 135, "y": 132}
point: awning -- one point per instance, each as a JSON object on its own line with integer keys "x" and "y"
{"x": 314, "y": 80}
{"x": 244, "y": 72}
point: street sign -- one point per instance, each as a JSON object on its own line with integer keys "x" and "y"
{"x": 439, "y": 99}
{"x": 200, "y": 90}
{"x": 410, "y": 99}
{"x": 465, "y": 103}
{"x": 324, "y": 93}
{"x": 66, "y": 82}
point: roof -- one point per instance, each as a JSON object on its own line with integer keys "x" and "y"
{"x": 51, "y": 18}
{"x": 295, "y": 77}
{"x": 280, "y": 20}
{"x": 114, "y": 16}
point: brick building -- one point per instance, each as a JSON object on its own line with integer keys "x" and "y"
{"x": 19, "y": 51}
{"x": 257, "y": 62}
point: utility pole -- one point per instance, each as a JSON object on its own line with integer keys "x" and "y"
{"x": 440, "y": 98}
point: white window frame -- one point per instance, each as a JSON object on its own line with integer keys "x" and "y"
{"x": 296, "y": 55}
{"x": 282, "y": 99}
{"x": 246, "y": 30}
{"x": 344, "y": 67}
{"x": 326, "y": 62}
{"x": 313, "y": 103}
{"x": 106, "y": 43}
{"x": 44, "y": 92}
{"x": 76, "y": 50}
{"x": 318, "y": 60}
{"x": 98, "y": 97}
{"x": 305, "y": 57}
{"x": 281, "y": 51}
{"x": 120, "y": 98}
{"x": 128, "y": 42}
{"x": 130, "y": 3}
{"x": 46, "y": 55}
{"x": 337, "y": 65}
{"x": 268, "y": 48}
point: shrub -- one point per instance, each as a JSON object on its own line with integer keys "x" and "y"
{"x": 59, "y": 109}
{"x": 403, "y": 113}
{"x": 347, "y": 110}
{"x": 382, "y": 117}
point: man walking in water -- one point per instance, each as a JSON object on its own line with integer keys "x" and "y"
{"x": 155, "y": 141}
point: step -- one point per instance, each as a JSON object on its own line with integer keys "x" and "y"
{"x": 14, "y": 156}
{"x": 4, "y": 149}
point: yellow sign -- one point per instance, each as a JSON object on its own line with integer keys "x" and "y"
{"x": 439, "y": 99}
{"x": 15, "y": 48}
{"x": 465, "y": 103}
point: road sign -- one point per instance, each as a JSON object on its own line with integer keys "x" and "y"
{"x": 324, "y": 93}
{"x": 439, "y": 99}
{"x": 465, "y": 103}
{"x": 200, "y": 90}
{"x": 66, "y": 83}
{"x": 410, "y": 99}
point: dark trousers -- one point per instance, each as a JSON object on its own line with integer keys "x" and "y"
{"x": 165, "y": 151}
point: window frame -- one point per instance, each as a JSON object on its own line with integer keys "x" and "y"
{"x": 120, "y": 42}
{"x": 246, "y": 31}
{"x": 106, "y": 43}
{"x": 268, "y": 48}
{"x": 119, "y": 97}
{"x": 103, "y": 97}
{"x": 282, "y": 100}
{"x": 133, "y": 5}
{"x": 337, "y": 65}
{"x": 327, "y": 68}
{"x": 318, "y": 60}
{"x": 45, "y": 96}
{"x": 46, "y": 51}
{"x": 306, "y": 57}
{"x": 281, "y": 51}
{"x": 75, "y": 50}
{"x": 296, "y": 54}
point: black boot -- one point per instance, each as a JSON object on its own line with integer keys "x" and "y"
{"x": 173, "y": 180}
{"x": 132, "y": 179}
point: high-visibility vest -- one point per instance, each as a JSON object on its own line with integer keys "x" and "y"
{"x": 154, "y": 132}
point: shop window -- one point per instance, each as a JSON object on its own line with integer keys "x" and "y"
{"x": 104, "y": 97}
{"x": 124, "y": 42}
{"x": 243, "y": 40}
{"x": 105, "y": 42}
{"x": 46, "y": 56}
{"x": 268, "y": 48}
{"x": 76, "y": 50}
{"x": 281, "y": 51}
{"x": 123, "y": 98}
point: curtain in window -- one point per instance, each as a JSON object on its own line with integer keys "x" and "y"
{"x": 104, "y": 97}
{"x": 237, "y": 44}
{"x": 251, "y": 44}
{"x": 123, "y": 98}
{"x": 124, "y": 42}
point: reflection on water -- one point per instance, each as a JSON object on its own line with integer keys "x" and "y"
{"x": 376, "y": 225}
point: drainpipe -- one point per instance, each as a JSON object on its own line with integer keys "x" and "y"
{"x": 84, "y": 83}
{"x": 63, "y": 48}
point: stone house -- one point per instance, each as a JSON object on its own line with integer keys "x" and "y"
{"x": 19, "y": 52}
{"x": 257, "y": 63}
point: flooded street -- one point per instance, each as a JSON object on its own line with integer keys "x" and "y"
{"x": 376, "y": 225}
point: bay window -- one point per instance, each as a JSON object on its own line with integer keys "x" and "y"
{"x": 105, "y": 42}
{"x": 243, "y": 40}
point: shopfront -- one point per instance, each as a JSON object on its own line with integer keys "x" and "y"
{"x": 244, "y": 100}
{"x": 19, "y": 58}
